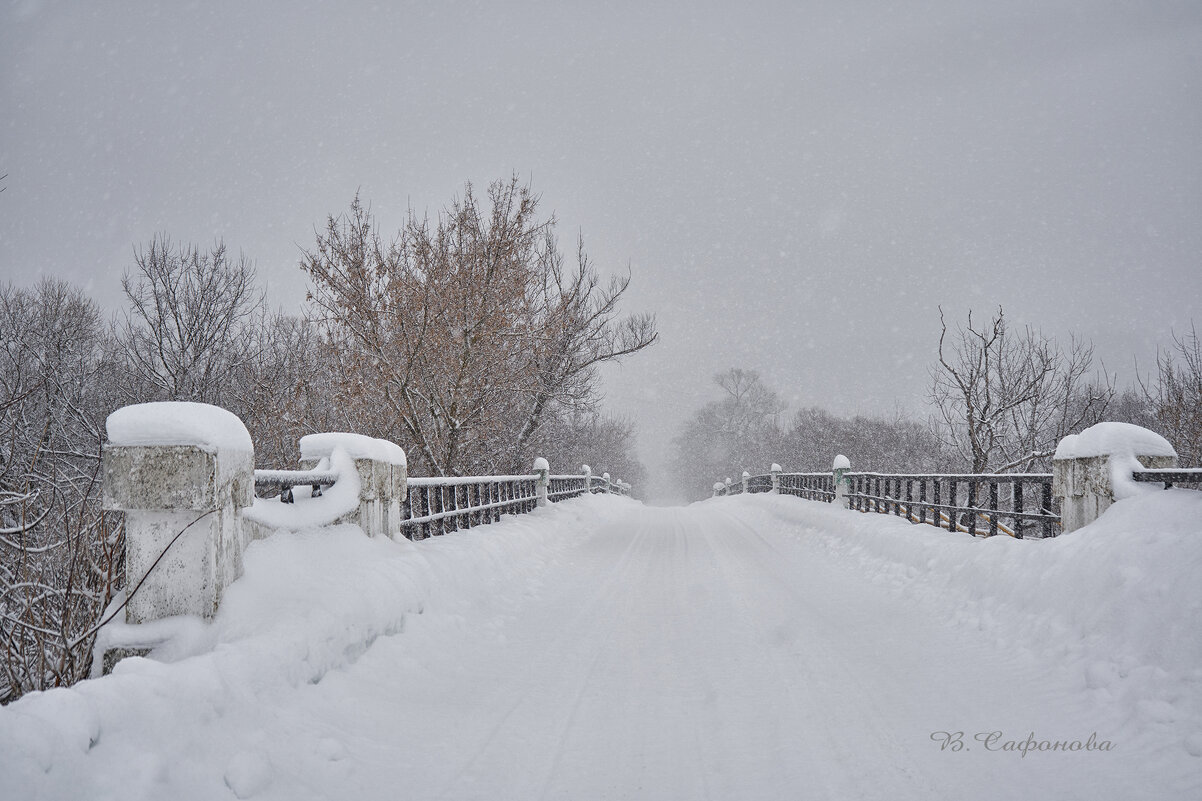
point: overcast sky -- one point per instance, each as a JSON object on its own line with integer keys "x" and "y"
{"x": 795, "y": 187}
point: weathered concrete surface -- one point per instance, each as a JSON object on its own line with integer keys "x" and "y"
{"x": 184, "y": 539}
{"x": 1085, "y": 487}
{"x": 382, "y": 489}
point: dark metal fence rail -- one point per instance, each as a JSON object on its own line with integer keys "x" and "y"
{"x": 757, "y": 484}
{"x": 1170, "y": 476}
{"x": 283, "y": 481}
{"x": 812, "y": 486}
{"x": 562, "y": 487}
{"x": 1017, "y": 504}
{"x": 435, "y": 506}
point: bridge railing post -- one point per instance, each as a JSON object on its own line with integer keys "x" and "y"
{"x": 1086, "y": 464}
{"x": 543, "y": 470}
{"x": 383, "y": 476}
{"x": 746, "y": 481}
{"x": 776, "y": 471}
{"x": 840, "y": 467}
{"x": 183, "y": 535}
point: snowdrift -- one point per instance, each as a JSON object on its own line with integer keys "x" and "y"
{"x": 1117, "y": 603}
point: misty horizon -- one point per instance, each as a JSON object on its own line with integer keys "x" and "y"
{"x": 794, "y": 189}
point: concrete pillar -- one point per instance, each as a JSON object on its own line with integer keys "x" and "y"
{"x": 587, "y": 472}
{"x": 840, "y": 467}
{"x": 382, "y": 470}
{"x": 608, "y": 483}
{"x": 1092, "y": 470}
{"x": 746, "y": 481}
{"x": 168, "y": 489}
{"x": 776, "y": 471}
{"x": 543, "y": 471}
{"x": 719, "y": 489}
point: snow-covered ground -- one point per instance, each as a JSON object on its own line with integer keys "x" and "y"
{"x": 753, "y": 647}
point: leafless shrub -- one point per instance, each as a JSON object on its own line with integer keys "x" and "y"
{"x": 60, "y": 555}
{"x": 1003, "y": 399}
{"x": 1175, "y": 396}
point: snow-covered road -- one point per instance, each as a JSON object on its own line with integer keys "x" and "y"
{"x": 742, "y": 648}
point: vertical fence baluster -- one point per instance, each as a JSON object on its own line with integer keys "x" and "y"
{"x": 993, "y": 514}
{"x": 1016, "y": 504}
{"x": 1046, "y": 507}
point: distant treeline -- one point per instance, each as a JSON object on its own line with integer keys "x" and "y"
{"x": 999, "y": 401}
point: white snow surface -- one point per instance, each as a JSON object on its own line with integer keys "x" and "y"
{"x": 178, "y": 423}
{"x": 306, "y": 511}
{"x": 1113, "y": 439}
{"x": 357, "y": 446}
{"x": 750, "y": 647}
{"x": 841, "y": 462}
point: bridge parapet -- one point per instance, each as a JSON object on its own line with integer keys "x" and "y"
{"x": 1093, "y": 469}
{"x": 1090, "y": 471}
{"x": 183, "y": 474}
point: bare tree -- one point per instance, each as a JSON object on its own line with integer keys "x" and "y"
{"x": 1004, "y": 399}
{"x": 895, "y": 444}
{"x": 457, "y": 334}
{"x": 185, "y": 332}
{"x": 60, "y": 554}
{"x": 1175, "y": 395}
{"x": 739, "y": 431}
{"x": 578, "y": 331}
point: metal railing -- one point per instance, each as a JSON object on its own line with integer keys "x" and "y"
{"x": 981, "y": 504}
{"x": 811, "y": 486}
{"x": 284, "y": 481}
{"x": 1170, "y": 476}
{"x": 436, "y": 506}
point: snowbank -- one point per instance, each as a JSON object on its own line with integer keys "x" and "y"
{"x": 1116, "y": 603}
{"x": 178, "y": 423}
{"x": 306, "y": 511}
{"x": 357, "y": 446}
{"x": 307, "y": 609}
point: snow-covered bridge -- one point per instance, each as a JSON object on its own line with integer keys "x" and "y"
{"x": 748, "y": 646}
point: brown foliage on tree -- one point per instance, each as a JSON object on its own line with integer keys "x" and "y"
{"x": 457, "y": 336}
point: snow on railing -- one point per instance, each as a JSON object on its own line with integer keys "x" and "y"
{"x": 971, "y": 503}
{"x": 284, "y": 481}
{"x": 1169, "y": 476}
{"x": 1091, "y": 470}
{"x": 981, "y": 504}
{"x": 176, "y": 469}
{"x": 438, "y": 506}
